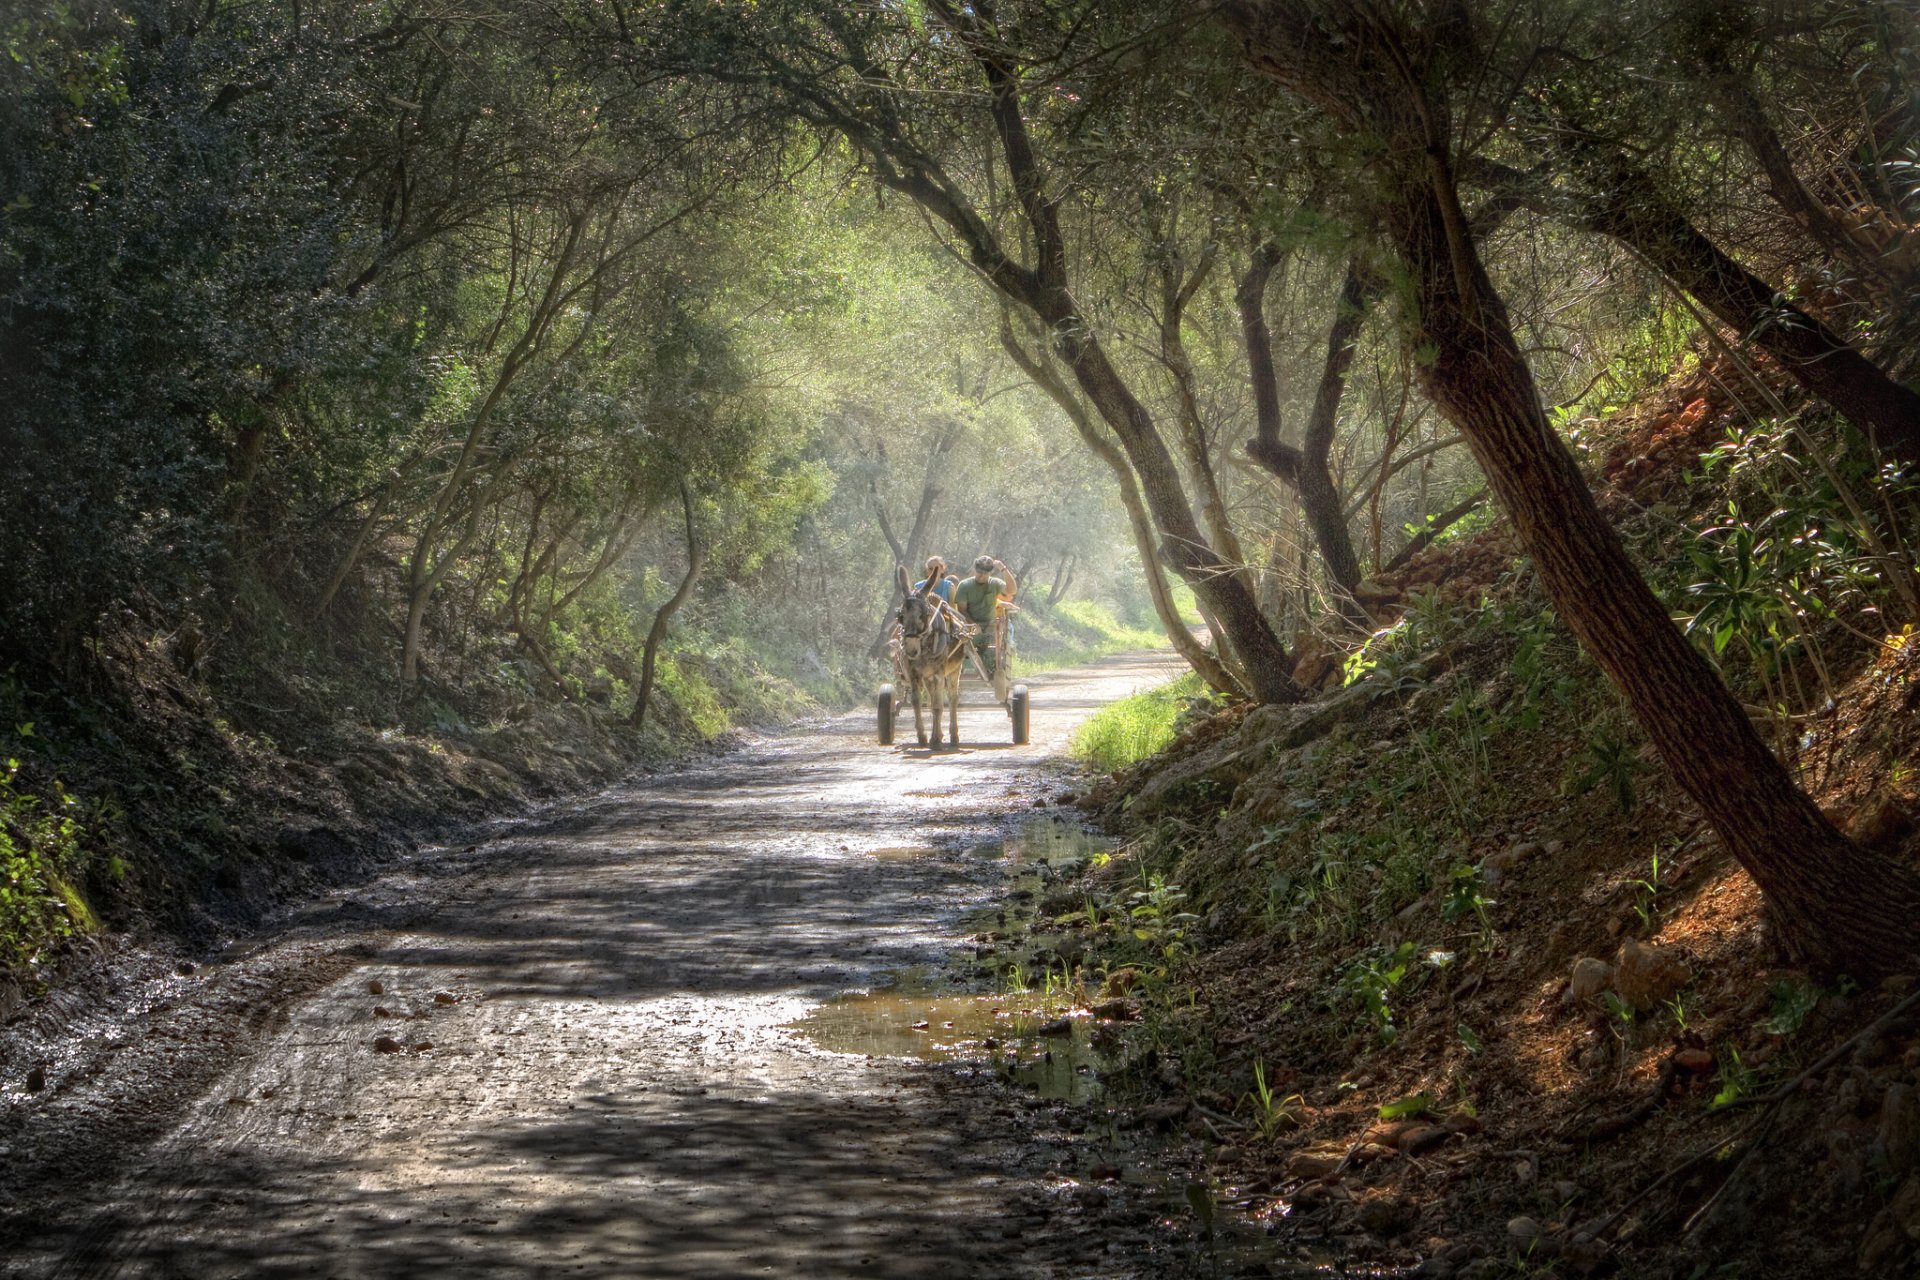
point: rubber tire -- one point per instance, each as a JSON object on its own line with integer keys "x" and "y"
{"x": 884, "y": 706}
{"x": 1017, "y": 705}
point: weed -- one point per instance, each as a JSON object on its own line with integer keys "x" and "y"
{"x": 1466, "y": 900}
{"x": 1271, "y": 1112}
{"x": 1372, "y": 978}
{"x": 39, "y": 850}
{"x": 1790, "y": 1001}
{"x": 1132, "y": 729}
{"x": 1644, "y": 894}
{"x": 1612, "y": 763}
{"x": 1736, "y": 1078}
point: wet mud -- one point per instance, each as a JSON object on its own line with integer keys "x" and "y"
{"x": 722, "y": 1023}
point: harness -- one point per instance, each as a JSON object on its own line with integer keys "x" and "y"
{"x": 946, "y": 624}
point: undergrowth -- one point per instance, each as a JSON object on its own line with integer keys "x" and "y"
{"x": 40, "y": 855}
{"x": 1134, "y": 728}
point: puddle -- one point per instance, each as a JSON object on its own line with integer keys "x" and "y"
{"x": 917, "y": 1013}
{"x": 1054, "y": 842}
{"x": 903, "y": 852}
{"x": 905, "y": 1020}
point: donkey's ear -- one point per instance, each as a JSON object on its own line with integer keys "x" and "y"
{"x": 906, "y": 583}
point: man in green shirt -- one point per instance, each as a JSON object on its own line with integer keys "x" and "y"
{"x": 977, "y": 599}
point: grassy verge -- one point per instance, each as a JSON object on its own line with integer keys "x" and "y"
{"x": 1078, "y": 631}
{"x": 1134, "y": 728}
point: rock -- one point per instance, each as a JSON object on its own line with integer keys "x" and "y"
{"x": 1523, "y": 1229}
{"x": 1463, "y": 1123}
{"x": 1591, "y": 975}
{"x": 1646, "y": 975}
{"x": 1435, "y": 1268}
{"x": 1115, "y": 1011}
{"x": 1392, "y": 1133}
{"x": 1056, "y": 1028}
{"x": 1899, "y": 1135}
{"x": 1893, "y": 1230}
{"x": 375, "y": 987}
{"x": 186, "y": 968}
{"x": 1694, "y": 1061}
{"x": 1314, "y": 1164}
{"x": 445, "y": 997}
{"x": 1164, "y": 1113}
{"x": 36, "y": 1079}
{"x": 1880, "y": 821}
{"x": 381, "y": 1011}
{"x": 423, "y": 1046}
{"x": 386, "y": 1044}
{"x": 1105, "y": 1172}
{"x": 1386, "y": 1216}
{"x": 1119, "y": 982}
{"x": 1565, "y": 1191}
{"x": 1424, "y": 1139}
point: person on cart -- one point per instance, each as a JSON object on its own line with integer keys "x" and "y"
{"x": 938, "y": 578}
{"x": 978, "y": 600}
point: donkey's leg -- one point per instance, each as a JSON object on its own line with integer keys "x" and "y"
{"x": 919, "y": 729}
{"x": 936, "y": 687}
{"x": 952, "y": 682}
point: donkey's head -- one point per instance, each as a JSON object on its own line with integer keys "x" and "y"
{"x": 918, "y": 613}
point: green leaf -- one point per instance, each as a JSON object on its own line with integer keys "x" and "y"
{"x": 1417, "y": 1104}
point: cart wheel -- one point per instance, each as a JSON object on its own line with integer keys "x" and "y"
{"x": 1017, "y": 708}
{"x": 885, "y": 708}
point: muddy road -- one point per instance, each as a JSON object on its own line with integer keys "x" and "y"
{"x": 572, "y": 1050}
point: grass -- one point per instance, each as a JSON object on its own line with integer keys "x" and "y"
{"x": 1134, "y": 728}
{"x": 1076, "y": 632}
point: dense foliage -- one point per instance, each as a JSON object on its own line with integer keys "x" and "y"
{"x": 412, "y": 369}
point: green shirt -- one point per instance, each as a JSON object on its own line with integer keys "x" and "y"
{"x": 976, "y": 599}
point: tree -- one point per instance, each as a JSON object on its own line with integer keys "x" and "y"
{"x": 840, "y": 72}
{"x": 1370, "y": 69}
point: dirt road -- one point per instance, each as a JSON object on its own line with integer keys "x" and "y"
{"x": 591, "y": 1069}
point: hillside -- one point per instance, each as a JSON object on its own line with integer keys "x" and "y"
{"x": 1468, "y": 984}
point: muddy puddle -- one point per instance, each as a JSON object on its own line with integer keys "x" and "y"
{"x": 1030, "y": 1026}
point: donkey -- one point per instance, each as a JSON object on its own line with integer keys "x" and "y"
{"x": 928, "y": 655}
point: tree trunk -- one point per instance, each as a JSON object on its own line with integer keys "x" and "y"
{"x": 1308, "y": 469}
{"x": 1043, "y": 290}
{"x": 1833, "y": 903}
{"x": 1436, "y": 525}
{"x": 1885, "y": 412}
{"x": 1062, "y": 580}
{"x": 1039, "y": 368}
{"x": 696, "y": 560}
{"x": 1631, "y": 210}
{"x": 1178, "y": 284}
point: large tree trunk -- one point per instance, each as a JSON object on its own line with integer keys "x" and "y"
{"x": 1833, "y": 903}
{"x": 1308, "y": 469}
{"x": 1038, "y": 367}
{"x": 696, "y": 560}
{"x": 1885, "y": 412}
{"x": 1629, "y": 208}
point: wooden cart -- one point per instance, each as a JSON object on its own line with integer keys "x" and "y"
{"x": 1013, "y": 697}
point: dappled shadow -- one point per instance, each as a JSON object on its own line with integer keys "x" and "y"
{"x": 586, "y": 1070}
{"x": 654, "y": 1185}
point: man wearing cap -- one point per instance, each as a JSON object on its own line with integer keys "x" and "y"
{"x": 979, "y": 596}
